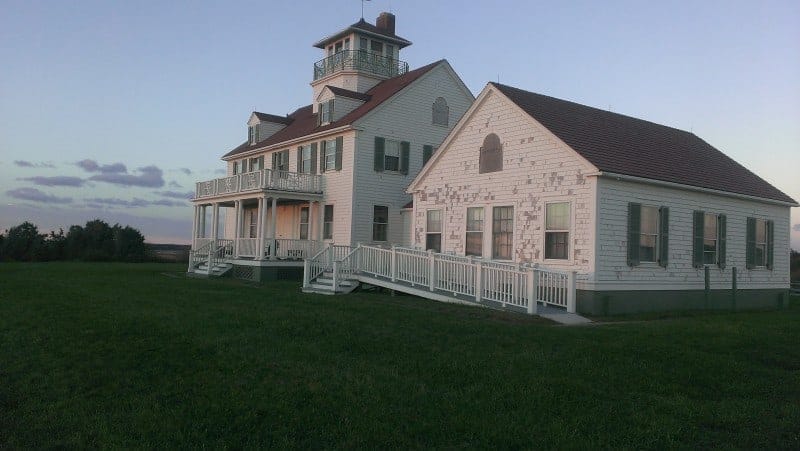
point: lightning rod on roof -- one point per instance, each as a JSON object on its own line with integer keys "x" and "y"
{"x": 362, "y": 8}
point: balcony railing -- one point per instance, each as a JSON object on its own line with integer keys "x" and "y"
{"x": 359, "y": 60}
{"x": 259, "y": 180}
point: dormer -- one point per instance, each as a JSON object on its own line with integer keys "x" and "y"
{"x": 360, "y": 56}
{"x": 261, "y": 126}
{"x": 334, "y": 103}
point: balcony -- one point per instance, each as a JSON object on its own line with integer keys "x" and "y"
{"x": 359, "y": 60}
{"x": 267, "y": 179}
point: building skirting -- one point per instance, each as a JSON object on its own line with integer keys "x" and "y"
{"x": 265, "y": 271}
{"x": 610, "y": 302}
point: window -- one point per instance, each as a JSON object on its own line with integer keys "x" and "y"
{"x": 380, "y": 220}
{"x": 389, "y": 51}
{"x": 327, "y": 223}
{"x": 427, "y": 153}
{"x": 250, "y": 225}
{"x": 392, "y": 156}
{"x": 347, "y": 44}
{"x": 237, "y": 167}
{"x": 330, "y": 154}
{"x": 760, "y": 241}
{"x": 556, "y": 235}
{"x": 708, "y": 247}
{"x": 325, "y": 113}
{"x": 433, "y": 231}
{"x": 502, "y": 232}
{"x": 303, "y": 223}
{"x": 305, "y": 158}
{"x": 252, "y": 134}
{"x": 330, "y": 157}
{"x": 648, "y": 229}
{"x": 377, "y": 47}
{"x": 363, "y": 44}
{"x": 491, "y": 155}
{"x": 338, "y": 47}
{"x": 280, "y": 160}
{"x": 441, "y": 112}
{"x": 256, "y": 164}
{"x": 474, "y": 245}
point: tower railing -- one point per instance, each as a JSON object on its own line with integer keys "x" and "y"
{"x": 360, "y": 60}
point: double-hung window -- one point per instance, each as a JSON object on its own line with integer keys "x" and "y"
{"x": 330, "y": 154}
{"x": 648, "y": 228}
{"x": 380, "y": 221}
{"x": 303, "y": 223}
{"x": 760, "y": 243}
{"x": 433, "y": 230}
{"x": 502, "y": 232}
{"x": 305, "y": 159}
{"x": 474, "y": 244}
{"x": 556, "y": 234}
{"x": 648, "y": 234}
{"x": 280, "y": 160}
{"x": 252, "y": 134}
{"x": 709, "y": 238}
{"x": 391, "y": 157}
{"x": 327, "y": 223}
{"x": 256, "y": 164}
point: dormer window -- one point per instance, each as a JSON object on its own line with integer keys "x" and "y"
{"x": 252, "y": 134}
{"x": 325, "y": 114}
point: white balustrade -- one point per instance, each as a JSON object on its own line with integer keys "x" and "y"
{"x": 267, "y": 179}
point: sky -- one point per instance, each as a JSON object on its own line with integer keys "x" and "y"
{"x": 113, "y": 110}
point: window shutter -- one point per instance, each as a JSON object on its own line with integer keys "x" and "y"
{"x": 275, "y": 161}
{"x": 339, "y": 146}
{"x": 322, "y": 145}
{"x": 319, "y": 114}
{"x": 663, "y": 233}
{"x": 313, "y": 158}
{"x": 405, "y": 154}
{"x": 697, "y": 238}
{"x": 379, "y": 153}
{"x": 634, "y": 222}
{"x": 330, "y": 110}
{"x": 722, "y": 227}
{"x": 750, "y": 253}
{"x": 427, "y": 152}
{"x": 299, "y": 159}
{"x": 770, "y": 242}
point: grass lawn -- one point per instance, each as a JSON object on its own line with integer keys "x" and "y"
{"x": 120, "y": 355}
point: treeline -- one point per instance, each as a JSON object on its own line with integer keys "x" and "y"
{"x": 96, "y": 241}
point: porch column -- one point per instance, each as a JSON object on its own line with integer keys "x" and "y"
{"x": 259, "y": 231}
{"x": 274, "y": 228}
{"x": 214, "y": 223}
{"x": 237, "y": 206}
{"x": 202, "y": 233}
{"x": 194, "y": 226}
{"x": 320, "y": 220}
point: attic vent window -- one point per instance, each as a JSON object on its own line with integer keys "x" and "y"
{"x": 441, "y": 112}
{"x": 491, "y": 155}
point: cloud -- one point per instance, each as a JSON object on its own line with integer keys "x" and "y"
{"x": 92, "y": 166}
{"x": 796, "y": 227}
{"x": 149, "y": 177}
{"x": 174, "y": 184}
{"x": 28, "y": 164}
{"x": 176, "y": 195}
{"x": 35, "y": 195}
{"x": 136, "y": 202}
{"x": 186, "y": 171}
{"x": 55, "y": 181}
{"x": 169, "y": 203}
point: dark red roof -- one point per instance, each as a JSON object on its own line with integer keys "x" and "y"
{"x": 409, "y": 205}
{"x": 304, "y": 121}
{"x": 348, "y": 93}
{"x": 273, "y": 118}
{"x": 625, "y": 145}
{"x": 364, "y": 26}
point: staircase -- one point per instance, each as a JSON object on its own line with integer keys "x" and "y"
{"x": 323, "y": 284}
{"x": 208, "y": 261}
{"x": 217, "y": 269}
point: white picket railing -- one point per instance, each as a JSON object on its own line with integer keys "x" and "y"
{"x": 247, "y": 247}
{"x": 257, "y": 180}
{"x": 503, "y": 283}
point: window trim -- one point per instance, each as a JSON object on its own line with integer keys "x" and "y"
{"x": 765, "y": 260}
{"x": 568, "y": 231}
{"x": 441, "y": 227}
{"x": 513, "y": 235}
{"x": 467, "y": 230}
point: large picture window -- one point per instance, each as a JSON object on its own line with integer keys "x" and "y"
{"x": 502, "y": 232}
{"x": 556, "y": 235}
{"x": 380, "y": 222}
{"x": 433, "y": 231}
{"x": 474, "y": 244}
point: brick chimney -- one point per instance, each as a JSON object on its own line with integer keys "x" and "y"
{"x": 385, "y": 22}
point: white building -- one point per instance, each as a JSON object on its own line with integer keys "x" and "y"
{"x": 334, "y": 171}
{"x": 649, "y": 217}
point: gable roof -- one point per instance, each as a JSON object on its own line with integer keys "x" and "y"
{"x": 625, "y": 145}
{"x": 304, "y": 121}
{"x": 273, "y": 118}
{"x": 365, "y": 28}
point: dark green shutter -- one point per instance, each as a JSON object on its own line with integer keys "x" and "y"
{"x": 722, "y": 228}
{"x": 697, "y": 238}
{"x": 319, "y": 114}
{"x": 770, "y": 242}
{"x": 750, "y": 255}
{"x": 634, "y": 232}
{"x": 380, "y": 144}
{"x": 427, "y": 152}
{"x": 339, "y": 146}
{"x": 274, "y": 161}
{"x": 299, "y": 159}
{"x": 322, "y": 145}
{"x": 313, "y": 158}
{"x": 405, "y": 154}
{"x": 330, "y": 110}
{"x": 663, "y": 234}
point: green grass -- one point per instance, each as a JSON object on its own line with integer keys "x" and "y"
{"x": 118, "y": 355}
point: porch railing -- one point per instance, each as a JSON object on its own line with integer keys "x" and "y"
{"x": 259, "y": 180}
{"x": 359, "y": 60}
{"x": 463, "y": 277}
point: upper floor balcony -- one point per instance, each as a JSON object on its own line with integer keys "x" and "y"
{"x": 267, "y": 179}
{"x": 360, "y": 60}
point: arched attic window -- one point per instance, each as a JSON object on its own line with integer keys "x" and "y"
{"x": 491, "y": 155}
{"x": 441, "y": 112}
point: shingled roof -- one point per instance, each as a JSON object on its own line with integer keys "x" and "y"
{"x": 364, "y": 27}
{"x": 625, "y": 145}
{"x": 304, "y": 121}
{"x": 273, "y": 118}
